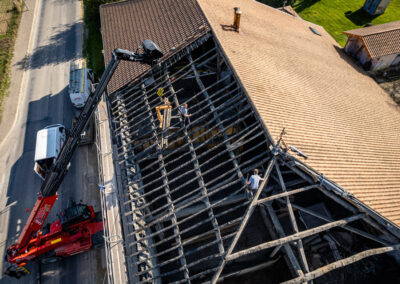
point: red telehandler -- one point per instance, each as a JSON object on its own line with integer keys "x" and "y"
{"x": 78, "y": 228}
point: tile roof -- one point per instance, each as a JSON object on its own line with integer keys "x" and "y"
{"x": 379, "y": 40}
{"x": 347, "y": 125}
{"x": 169, "y": 23}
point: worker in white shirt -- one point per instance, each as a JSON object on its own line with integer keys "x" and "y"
{"x": 253, "y": 183}
{"x": 185, "y": 114}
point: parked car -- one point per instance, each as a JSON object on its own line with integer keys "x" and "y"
{"x": 49, "y": 142}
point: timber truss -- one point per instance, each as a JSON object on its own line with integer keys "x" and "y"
{"x": 186, "y": 217}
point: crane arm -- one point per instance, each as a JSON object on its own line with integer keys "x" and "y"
{"x": 48, "y": 191}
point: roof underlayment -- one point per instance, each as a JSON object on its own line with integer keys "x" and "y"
{"x": 184, "y": 208}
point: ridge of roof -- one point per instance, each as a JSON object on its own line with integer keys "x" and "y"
{"x": 373, "y": 30}
{"x": 118, "y": 3}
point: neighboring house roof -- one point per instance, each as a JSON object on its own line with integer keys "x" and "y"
{"x": 346, "y": 124}
{"x": 379, "y": 40}
{"x": 126, "y": 24}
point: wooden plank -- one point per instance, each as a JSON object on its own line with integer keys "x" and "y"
{"x": 292, "y": 220}
{"x": 248, "y": 270}
{"x": 284, "y": 194}
{"x": 246, "y": 218}
{"x": 218, "y": 119}
{"x": 341, "y": 263}
{"x": 294, "y": 264}
{"x": 352, "y": 208}
{"x": 347, "y": 227}
{"x": 173, "y": 217}
{"x": 295, "y": 237}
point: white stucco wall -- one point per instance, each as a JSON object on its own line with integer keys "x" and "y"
{"x": 382, "y": 7}
{"x": 383, "y": 62}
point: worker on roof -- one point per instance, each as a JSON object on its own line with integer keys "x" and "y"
{"x": 185, "y": 114}
{"x": 253, "y": 183}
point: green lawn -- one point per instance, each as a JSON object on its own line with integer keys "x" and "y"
{"x": 337, "y": 16}
{"x": 94, "y": 45}
{"x": 6, "y": 52}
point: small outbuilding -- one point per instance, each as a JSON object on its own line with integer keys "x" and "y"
{"x": 375, "y": 7}
{"x": 375, "y": 47}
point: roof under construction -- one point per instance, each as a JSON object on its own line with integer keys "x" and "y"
{"x": 186, "y": 212}
{"x": 331, "y": 109}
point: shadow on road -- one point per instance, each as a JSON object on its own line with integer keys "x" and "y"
{"x": 60, "y": 49}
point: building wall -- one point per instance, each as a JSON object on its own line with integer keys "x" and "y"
{"x": 383, "y": 62}
{"x": 396, "y": 60}
{"x": 382, "y": 7}
{"x": 363, "y": 57}
{"x": 353, "y": 44}
{"x": 375, "y": 7}
{"x": 356, "y": 49}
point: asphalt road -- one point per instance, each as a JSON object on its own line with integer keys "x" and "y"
{"x": 56, "y": 40}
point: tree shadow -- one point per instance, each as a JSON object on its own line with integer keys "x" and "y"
{"x": 62, "y": 48}
{"x": 301, "y": 5}
{"x": 359, "y": 17}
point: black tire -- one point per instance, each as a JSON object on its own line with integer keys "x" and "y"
{"x": 98, "y": 239}
{"x": 51, "y": 259}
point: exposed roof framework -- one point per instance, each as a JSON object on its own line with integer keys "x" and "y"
{"x": 185, "y": 211}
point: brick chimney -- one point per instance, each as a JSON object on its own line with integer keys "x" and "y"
{"x": 236, "y": 18}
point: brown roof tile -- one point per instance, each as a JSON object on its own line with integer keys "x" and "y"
{"x": 379, "y": 40}
{"x": 332, "y": 111}
{"x": 169, "y": 23}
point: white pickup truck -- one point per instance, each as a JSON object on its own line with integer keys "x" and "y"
{"x": 80, "y": 83}
{"x": 49, "y": 142}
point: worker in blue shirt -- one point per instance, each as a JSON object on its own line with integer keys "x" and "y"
{"x": 185, "y": 114}
{"x": 253, "y": 184}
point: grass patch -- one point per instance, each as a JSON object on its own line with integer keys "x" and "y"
{"x": 93, "y": 46}
{"x": 6, "y": 53}
{"x": 337, "y": 16}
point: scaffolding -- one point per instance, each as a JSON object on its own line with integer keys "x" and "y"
{"x": 185, "y": 214}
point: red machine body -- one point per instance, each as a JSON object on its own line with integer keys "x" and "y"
{"x": 77, "y": 230}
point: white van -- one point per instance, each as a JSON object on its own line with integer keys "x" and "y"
{"x": 49, "y": 142}
{"x": 80, "y": 83}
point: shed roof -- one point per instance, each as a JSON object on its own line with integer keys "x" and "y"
{"x": 169, "y": 23}
{"x": 331, "y": 109}
{"x": 379, "y": 40}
